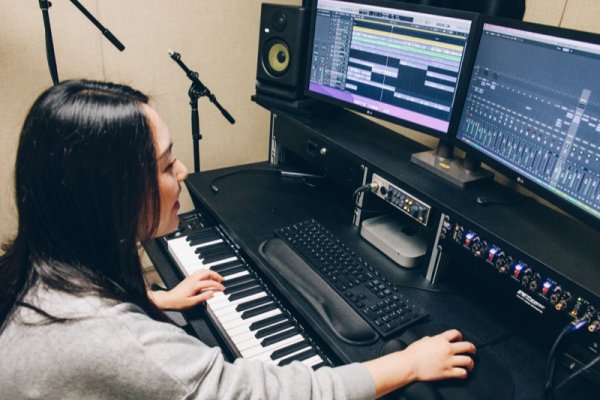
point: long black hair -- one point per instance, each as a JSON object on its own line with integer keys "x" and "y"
{"x": 86, "y": 194}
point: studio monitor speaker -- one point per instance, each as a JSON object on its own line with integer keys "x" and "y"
{"x": 282, "y": 51}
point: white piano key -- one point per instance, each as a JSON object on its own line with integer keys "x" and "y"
{"x": 302, "y": 350}
{"x": 314, "y": 360}
{"x": 237, "y": 275}
{"x": 222, "y": 301}
{"x": 255, "y": 351}
{"x": 223, "y": 310}
{"x": 249, "y": 321}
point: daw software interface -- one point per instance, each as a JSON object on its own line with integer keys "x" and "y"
{"x": 390, "y": 62}
{"x": 533, "y": 106}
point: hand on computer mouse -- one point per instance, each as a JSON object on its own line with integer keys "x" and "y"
{"x": 430, "y": 358}
{"x": 441, "y": 356}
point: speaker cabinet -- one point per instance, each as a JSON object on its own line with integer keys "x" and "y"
{"x": 282, "y": 51}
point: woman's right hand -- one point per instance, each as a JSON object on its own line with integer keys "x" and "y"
{"x": 440, "y": 357}
{"x": 432, "y": 358}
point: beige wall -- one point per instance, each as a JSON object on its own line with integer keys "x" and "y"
{"x": 217, "y": 38}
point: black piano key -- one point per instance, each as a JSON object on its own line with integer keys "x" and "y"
{"x": 252, "y": 303}
{"x": 231, "y": 271}
{"x": 258, "y": 310}
{"x": 279, "y": 337}
{"x": 298, "y": 357}
{"x": 266, "y": 322}
{"x": 240, "y": 286}
{"x": 319, "y": 365}
{"x": 269, "y": 330}
{"x": 227, "y": 265}
{"x": 284, "y": 351}
{"x": 245, "y": 293}
{"x": 209, "y": 237}
{"x": 211, "y": 249}
{"x": 219, "y": 256}
{"x": 214, "y": 249}
{"x": 235, "y": 281}
{"x": 202, "y": 236}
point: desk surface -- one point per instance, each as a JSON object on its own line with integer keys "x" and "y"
{"x": 253, "y": 203}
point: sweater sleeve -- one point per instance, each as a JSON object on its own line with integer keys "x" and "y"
{"x": 196, "y": 371}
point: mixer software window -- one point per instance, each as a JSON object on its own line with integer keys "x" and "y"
{"x": 541, "y": 121}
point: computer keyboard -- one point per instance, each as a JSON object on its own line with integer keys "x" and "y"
{"x": 366, "y": 290}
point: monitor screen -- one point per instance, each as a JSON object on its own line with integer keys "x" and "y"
{"x": 532, "y": 110}
{"x": 396, "y": 61}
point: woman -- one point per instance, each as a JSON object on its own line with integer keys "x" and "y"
{"x": 95, "y": 174}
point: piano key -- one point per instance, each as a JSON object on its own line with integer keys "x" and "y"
{"x": 248, "y": 304}
{"x": 241, "y": 286}
{"x": 230, "y": 271}
{"x": 219, "y": 300}
{"x": 245, "y": 293}
{"x": 319, "y": 365}
{"x": 224, "y": 308}
{"x": 266, "y": 322}
{"x": 248, "y": 322}
{"x": 247, "y": 342}
{"x": 313, "y": 361}
{"x": 305, "y": 348}
{"x": 227, "y": 265}
{"x": 289, "y": 349}
{"x": 234, "y": 281}
{"x": 238, "y": 274}
{"x": 200, "y": 232}
{"x": 255, "y": 351}
{"x": 212, "y": 249}
{"x": 273, "y": 329}
{"x": 251, "y": 318}
{"x": 246, "y": 328}
{"x": 304, "y": 355}
{"x": 219, "y": 256}
{"x": 279, "y": 337}
{"x": 259, "y": 310}
{"x": 206, "y": 239}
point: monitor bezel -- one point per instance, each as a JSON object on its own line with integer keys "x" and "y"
{"x": 558, "y": 201}
{"x": 461, "y": 87}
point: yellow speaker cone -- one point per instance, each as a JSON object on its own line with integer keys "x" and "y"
{"x": 278, "y": 58}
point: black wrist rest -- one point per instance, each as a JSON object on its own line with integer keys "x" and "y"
{"x": 343, "y": 321}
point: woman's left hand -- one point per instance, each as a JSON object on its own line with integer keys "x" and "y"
{"x": 193, "y": 290}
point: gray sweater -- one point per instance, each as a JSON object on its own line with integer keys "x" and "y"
{"x": 114, "y": 350}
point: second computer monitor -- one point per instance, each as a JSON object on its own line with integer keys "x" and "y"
{"x": 533, "y": 111}
{"x": 393, "y": 60}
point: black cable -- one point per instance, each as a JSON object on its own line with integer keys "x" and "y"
{"x": 426, "y": 289}
{"x": 581, "y": 370}
{"x": 283, "y": 173}
{"x": 551, "y": 366}
{"x": 364, "y": 188}
{"x": 484, "y": 201}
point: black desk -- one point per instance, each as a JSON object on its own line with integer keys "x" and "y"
{"x": 251, "y": 204}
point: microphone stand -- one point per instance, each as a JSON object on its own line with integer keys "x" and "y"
{"x": 50, "y": 55}
{"x": 197, "y": 90}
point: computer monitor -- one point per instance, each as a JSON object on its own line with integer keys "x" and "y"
{"x": 397, "y": 61}
{"x": 532, "y": 111}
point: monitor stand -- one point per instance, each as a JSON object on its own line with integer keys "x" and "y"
{"x": 462, "y": 173}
